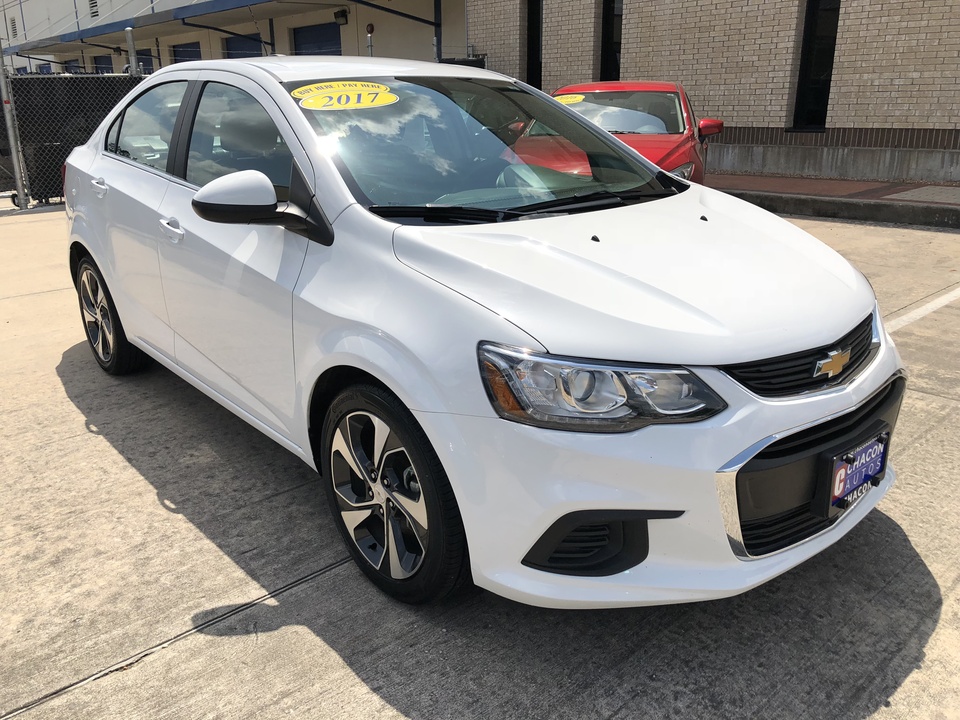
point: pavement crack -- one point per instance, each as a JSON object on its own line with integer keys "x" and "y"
{"x": 38, "y": 292}
{"x": 134, "y": 659}
{"x": 888, "y": 315}
{"x": 278, "y": 493}
{"x": 919, "y": 391}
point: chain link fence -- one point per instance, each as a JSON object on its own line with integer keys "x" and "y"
{"x": 54, "y": 114}
{"x": 7, "y": 179}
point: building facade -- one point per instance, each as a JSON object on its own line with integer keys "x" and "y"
{"x": 866, "y": 89}
{"x": 88, "y": 35}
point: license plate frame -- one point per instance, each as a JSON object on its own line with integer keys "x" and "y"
{"x": 849, "y": 472}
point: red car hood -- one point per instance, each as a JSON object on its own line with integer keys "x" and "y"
{"x": 663, "y": 150}
{"x": 667, "y": 151}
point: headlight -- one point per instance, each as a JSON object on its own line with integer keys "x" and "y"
{"x": 589, "y": 395}
{"x": 684, "y": 171}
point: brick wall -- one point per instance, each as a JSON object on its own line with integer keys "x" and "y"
{"x": 738, "y": 62}
{"x": 498, "y": 29}
{"x": 897, "y": 65}
{"x": 571, "y": 42}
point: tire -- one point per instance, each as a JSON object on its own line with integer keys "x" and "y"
{"x": 105, "y": 335}
{"x": 394, "y": 506}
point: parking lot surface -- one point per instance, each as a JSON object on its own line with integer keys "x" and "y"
{"x": 161, "y": 559}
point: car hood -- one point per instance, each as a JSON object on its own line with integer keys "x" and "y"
{"x": 658, "y": 149}
{"x": 698, "y": 279}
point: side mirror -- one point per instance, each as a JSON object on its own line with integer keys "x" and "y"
{"x": 242, "y": 197}
{"x": 248, "y": 198}
{"x": 709, "y": 127}
{"x": 517, "y": 127}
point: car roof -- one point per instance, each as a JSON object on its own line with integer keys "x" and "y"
{"x": 314, "y": 67}
{"x": 621, "y": 86}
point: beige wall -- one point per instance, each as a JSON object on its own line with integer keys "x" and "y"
{"x": 571, "y": 42}
{"x": 738, "y": 62}
{"x": 498, "y": 29}
{"x": 897, "y": 65}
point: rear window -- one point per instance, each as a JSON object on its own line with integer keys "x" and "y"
{"x": 641, "y": 113}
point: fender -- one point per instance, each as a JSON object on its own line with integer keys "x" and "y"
{"x": 357, "y": 306}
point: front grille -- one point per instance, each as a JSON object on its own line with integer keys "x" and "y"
{"x": 793, "y": 374}
{"x": 777, "y": 488}
{"x": 776, "y": 532}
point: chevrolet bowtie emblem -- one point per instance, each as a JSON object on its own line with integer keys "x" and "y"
{"x": 833, "y": 365}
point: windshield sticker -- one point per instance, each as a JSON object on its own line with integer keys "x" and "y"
{"x": 349, "y": 95}
{"x": 569, "y": 99}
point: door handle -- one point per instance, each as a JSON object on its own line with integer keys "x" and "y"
{"x": 171, "y": 228}
{"x": 99, "y": 187}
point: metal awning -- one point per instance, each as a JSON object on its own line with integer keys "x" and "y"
{"x": 168, "y": 22}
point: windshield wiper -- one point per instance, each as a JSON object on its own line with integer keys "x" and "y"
{"x": 468, "y": 214}
{"x": 596, "y": 199}
{"x": 445, "y": 213}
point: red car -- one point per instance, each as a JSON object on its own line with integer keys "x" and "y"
{"x": 654, "y": 118}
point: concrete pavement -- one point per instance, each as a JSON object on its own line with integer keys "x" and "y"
{"x": 161, "y": 559}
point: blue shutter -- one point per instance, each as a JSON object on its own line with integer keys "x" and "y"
{"x": 317, "y": 40}
{"x": 145, "y": 58}
{"x": 103, "y": 64}
{"x": 186, "y": 52}
{"x": 243, "y": 47}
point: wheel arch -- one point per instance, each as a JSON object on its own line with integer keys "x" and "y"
{"x": 78, "y": 251}
{"x": 332, "y": 362}
{"x": 325, "y": 389}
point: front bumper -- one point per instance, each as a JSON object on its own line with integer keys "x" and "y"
{"x": 513, "y": 482}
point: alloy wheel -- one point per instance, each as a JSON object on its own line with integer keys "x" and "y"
{"x": 96, "y": 315}
{"x": 378, "y": 495}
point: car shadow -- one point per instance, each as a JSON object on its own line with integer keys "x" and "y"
{"x": 835, "y": 637}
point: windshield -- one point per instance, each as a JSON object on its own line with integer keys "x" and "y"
{"x": 456, "y": 142}
{"x": 641, "y": 112}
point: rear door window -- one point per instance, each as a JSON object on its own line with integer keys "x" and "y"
{"x": 146, "y": 126}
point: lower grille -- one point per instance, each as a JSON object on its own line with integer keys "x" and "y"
{"x": 776, "y": 489}
{"x": 583, "y": 545}
{"x": 777, "y": 532}
{"x": 595, "y": 542}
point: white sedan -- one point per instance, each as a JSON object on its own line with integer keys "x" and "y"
{"x": 594, "y": 389}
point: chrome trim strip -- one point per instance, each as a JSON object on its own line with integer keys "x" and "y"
{"x": 726, "y": 478}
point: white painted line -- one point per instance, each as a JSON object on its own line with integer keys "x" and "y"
{"x": 922, "y": 311}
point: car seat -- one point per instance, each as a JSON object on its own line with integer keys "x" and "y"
{"x": 663, "y": 110}
{"x": 251, "y": 142}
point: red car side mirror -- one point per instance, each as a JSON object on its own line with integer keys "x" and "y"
{"x": 709, "y": 127}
